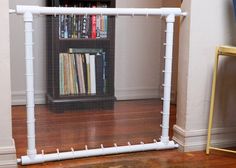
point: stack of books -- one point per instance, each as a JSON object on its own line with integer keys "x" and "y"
{"x": 82, "y": 71}
{"x": 83, "y": 26}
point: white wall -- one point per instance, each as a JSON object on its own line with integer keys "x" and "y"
{"x": 17, "y": 54}
{"x": 200, "y": 33}
{"x": 137, "y": 67}
{"x": 137, "y": 53}
{"x": 7, "y": 147}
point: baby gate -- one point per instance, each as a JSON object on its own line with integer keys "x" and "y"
{"x": 28, "y": 11}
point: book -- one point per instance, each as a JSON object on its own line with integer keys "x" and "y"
{"x": 80, "y": 73}
{"x": 84, "y": 64}
{"x": 104, "y": 72}
{"x": 74, "y": 27}
{"x": 74, "y": 75}
{"x": 98, "y": 19}
{"x": 103, "y": 27}
{"x": 65, "y": 22}
{"x": 69, "y": 26}
{"x": 61, "y": 74}
{"x": 61, "y": 26}
{"x": 87, "y": 57}
{"x": 99, "y": 64}
{"x": 66, "y": 74}
{"x": 92, "y": 74}
{"x": 93, "y": 27}
{"x": 70, "y": 75}
{"x": 78, "y": 19}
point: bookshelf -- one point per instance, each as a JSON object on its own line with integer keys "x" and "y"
{"x": 80, "y": 57}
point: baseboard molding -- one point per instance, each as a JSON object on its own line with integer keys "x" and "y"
{"x": 8, "y": 164}
{"x": 195, "y": 140}
{"x": 19, "y": 97}
{"x": 8, "y": 156}
{"x": 136, "y": 93}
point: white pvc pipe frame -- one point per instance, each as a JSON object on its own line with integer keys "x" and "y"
{"x": 28, "y": 11}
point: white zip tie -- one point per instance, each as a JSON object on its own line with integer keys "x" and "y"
{"x": 58, "y": 154}
{"x": 43, "y": 155}
{"x": 73, "y": 152}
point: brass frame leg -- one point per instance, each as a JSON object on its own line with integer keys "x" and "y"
{"x": 213, "y": 89}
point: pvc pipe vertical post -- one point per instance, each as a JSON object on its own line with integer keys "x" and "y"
{"x": 170, "y": 19}
{"x": 28, "y": 19}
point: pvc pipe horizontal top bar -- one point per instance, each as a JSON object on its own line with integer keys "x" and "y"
{"x": 21, "y": 9}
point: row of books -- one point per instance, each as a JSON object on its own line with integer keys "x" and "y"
{"x": 82, "y": 71}
{"x": 83, "y": 26}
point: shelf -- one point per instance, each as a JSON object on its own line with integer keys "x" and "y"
{"x": 59, "y": 105}
{"x": 59, "y": 63}
{"x": 83, "y": 96}
{"x": 84, "y": 44}
{"x": 81, "y": 99}
{"x": 85, "y": 39}
{"x": 93, "y": 42}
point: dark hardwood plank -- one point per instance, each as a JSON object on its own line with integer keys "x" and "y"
{"x": 132, "y": 121}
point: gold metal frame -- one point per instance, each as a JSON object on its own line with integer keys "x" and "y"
{"x": 220, "y": 51}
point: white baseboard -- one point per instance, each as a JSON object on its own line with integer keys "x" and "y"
{"x": 8, "y": 156}
{"x": 8, "y": 163}
{"x": 19, "y": 97}
{"x": 136, "y": 93}
{"x": 196, "y": 140}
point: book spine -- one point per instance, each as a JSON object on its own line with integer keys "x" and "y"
{"x": 66, "y": 73}
{"x": 88, "y": 27}
{"x": 70, "y": 78}
{"x": 81, "y": 74}
{"x": 93, "y": 28}
{"x": 77, "y": 72}
{"x": 60, "y": 73}
{"x": 65, "y": 22}
{"x": 98, "y": 18}
{"x": 78, "y": 21}
{"x": 84, "y": 64}
{"x": 59, "y": 26}
{"x": 87, "y": 56}
{"x": 75, "y": 75}
{"x": 104, "y": 73}
{"x": 99, "y": 73}
{"x": 103, "y": 27}
{"x": 74, "y": 27}
{"x": 83, "y": 27}
{"x": 69, "y": 26}
{"x": 92, "y": 74}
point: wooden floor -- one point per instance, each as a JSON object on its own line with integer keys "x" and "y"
{"x": 132, "y": 121}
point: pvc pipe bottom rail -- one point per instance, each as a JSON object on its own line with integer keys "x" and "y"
{"x": 41, "y": 158}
